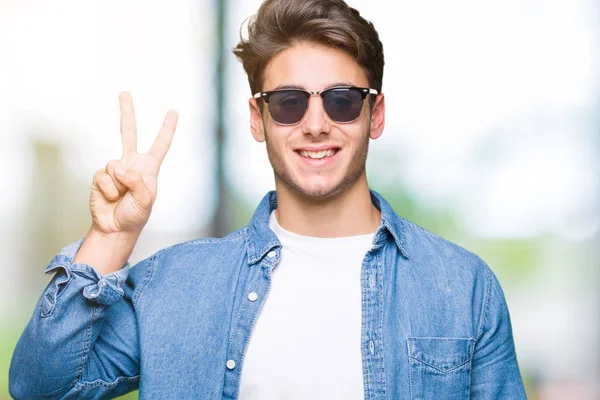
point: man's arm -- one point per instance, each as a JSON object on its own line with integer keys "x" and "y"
{"x": 495, "y": 372}
{"x": 82, "y": 340}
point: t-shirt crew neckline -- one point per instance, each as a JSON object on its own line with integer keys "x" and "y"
{"x": 286, "y": 236}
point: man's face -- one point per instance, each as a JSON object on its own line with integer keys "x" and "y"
{"x": 296, "y": 151}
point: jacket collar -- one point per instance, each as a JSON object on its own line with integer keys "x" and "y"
{"x": 261, "y": 239}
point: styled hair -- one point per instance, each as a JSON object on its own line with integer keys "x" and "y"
{"x": 279, "y": 24}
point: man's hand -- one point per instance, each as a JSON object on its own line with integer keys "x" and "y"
{"x": 123, "y": 193}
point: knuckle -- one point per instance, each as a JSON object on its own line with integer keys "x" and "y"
{"x": 105, "y": 179}
{"x": 98, "y": 174}
{"x": 135, "y": 177}
{"x": 112, "y": 164}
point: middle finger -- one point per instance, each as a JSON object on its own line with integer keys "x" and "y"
{"x": 128, "y": 126}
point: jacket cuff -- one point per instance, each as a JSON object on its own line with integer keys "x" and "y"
{"x": 107, "y": 289}
{"x": 101, "y": 289}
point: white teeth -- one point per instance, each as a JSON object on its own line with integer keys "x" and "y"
{"x": 317, "y": 154}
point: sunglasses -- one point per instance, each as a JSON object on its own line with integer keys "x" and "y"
{"x": 342, "y": 104}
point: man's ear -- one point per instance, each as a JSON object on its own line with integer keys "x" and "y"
{"x": 256, "y": 122}
{"x": 377, "y": 117}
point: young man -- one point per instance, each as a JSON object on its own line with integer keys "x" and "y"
{"x": 327, "y": 293}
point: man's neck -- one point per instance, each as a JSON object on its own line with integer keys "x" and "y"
{"x": 348, "y": 214}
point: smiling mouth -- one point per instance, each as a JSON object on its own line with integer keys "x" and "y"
{"x": 317, "y": 155}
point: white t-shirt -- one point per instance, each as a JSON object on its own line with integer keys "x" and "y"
{"x": 306, "y": 341}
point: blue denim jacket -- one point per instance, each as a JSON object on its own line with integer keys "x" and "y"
{"x": 435, "y": 324}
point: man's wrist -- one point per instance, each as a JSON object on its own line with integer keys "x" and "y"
{"x": 106, "y": 253}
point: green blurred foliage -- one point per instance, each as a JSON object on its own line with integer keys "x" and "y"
{"x": 8, "y": 340}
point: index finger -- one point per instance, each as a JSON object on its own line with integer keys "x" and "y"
{"x": 128, "y": 127}
{"x": 165, "y": 136}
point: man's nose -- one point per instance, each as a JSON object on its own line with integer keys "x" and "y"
{"x": 315, "y": 121}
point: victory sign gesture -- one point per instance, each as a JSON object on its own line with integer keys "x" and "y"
{"x": 123, "y": 193}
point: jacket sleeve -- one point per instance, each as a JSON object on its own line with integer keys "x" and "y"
{"x": 82, "y": 340}
{"x": 495, "y": 371}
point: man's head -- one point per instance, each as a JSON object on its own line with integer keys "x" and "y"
{"x": 280, "y": 24}
{"x": 317, "y": 144}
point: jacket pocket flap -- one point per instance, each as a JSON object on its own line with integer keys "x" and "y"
{"x": 443, "y": 354}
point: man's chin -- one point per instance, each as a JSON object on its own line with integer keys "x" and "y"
{"x": 318, "y": 193}
{"x": 316, "y": 189}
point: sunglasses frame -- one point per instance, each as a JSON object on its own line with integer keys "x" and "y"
{"x": 363, "y": 91}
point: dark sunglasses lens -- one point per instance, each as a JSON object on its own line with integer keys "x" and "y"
{"x": 343, "y": 105}
{"x": 287, "y": 106}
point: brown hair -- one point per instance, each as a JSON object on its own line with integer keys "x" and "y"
{"x": 280, "y": 24}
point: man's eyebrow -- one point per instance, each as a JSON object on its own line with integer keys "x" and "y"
{"x": 341, "y": 84}
{"x": 282, "y": 87}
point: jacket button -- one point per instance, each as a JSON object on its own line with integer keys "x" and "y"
{"x": 252, "y": 296}
{"x": 271, "y": 254}
{"x": 230, "y": 364}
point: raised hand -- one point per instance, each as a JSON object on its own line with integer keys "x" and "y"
{"x": 123, "y": 193}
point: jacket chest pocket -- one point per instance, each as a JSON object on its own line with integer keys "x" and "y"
{"x": 440, "y": 368}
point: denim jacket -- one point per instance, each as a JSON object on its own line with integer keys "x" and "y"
{"x": 435, "y": 324}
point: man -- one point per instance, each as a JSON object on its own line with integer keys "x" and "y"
{"x": 327, "y": 293}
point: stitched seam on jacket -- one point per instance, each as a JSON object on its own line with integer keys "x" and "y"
{"x": 471, "y": 355}
{"x": 249, "y": 244}
{"x": 142, "y": 286}
{"x": 379, "y": 271}
{"x": 364, "y": 273}
{"x": 106, "y": 384}
{"x": 444, "y": 371}
{"x": 410, "y": 369}
{"x": 228, "y": 238}
{"x": 87, "y": 344}
{"x": 486, "y": 303}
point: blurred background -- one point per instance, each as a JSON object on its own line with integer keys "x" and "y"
{"x": 492, "y": 140}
